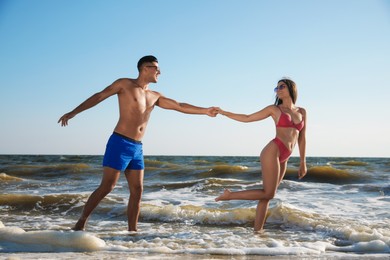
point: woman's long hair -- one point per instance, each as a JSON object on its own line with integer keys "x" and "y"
{"x": 292, "y": 89}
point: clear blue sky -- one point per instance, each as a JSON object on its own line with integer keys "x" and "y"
{"x": 227, "y": 53}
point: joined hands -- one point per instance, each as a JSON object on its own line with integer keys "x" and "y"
{"x": 214, "y": 111}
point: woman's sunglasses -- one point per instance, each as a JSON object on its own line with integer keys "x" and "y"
{"x": 280, "y": 87}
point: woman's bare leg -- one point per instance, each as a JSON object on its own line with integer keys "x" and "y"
{"x": 283, "y": 167}
{"x": 270, "y": 169}
{"x": 261, "y": 214}
{"x": 262, "y": 206}
{"x": 270, "y": 172}
{"x": 241, "y": 195}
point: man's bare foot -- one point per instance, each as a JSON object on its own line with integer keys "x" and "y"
{"x": 80, "y": 226}
{"x": 259, "y": 232}
{"x": 224, "y": 195}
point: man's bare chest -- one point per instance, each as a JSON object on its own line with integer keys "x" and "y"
{"x": 138, "y": 101}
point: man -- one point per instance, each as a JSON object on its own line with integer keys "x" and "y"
{"x": 124, "y": 148}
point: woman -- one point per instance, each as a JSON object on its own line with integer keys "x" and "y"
{"x": 290, "y": 124}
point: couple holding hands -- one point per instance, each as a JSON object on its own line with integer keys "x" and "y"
{"x": 136, "y": 102}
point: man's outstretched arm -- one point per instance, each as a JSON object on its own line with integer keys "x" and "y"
{"x": 171, "y": 104}
{"x": 90, "y": 102}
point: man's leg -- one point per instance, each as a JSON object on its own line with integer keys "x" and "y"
{"x": 135, "y": 179}
{"x": 110, "y": 178}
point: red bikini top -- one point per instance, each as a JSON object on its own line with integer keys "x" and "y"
{"x": 286, "y": 121}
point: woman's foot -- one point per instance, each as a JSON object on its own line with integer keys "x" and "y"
{"x": 224, "y": 195}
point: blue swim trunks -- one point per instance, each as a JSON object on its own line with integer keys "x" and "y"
{"x": 123, "y": 153}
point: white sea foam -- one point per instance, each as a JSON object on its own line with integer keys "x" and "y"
{"x": 17, "y": 239}
{"x": 196, "y": 214}
{"x": 366, "y": 236}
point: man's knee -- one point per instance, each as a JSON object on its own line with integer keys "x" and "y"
{"x": 136, "y": 191}
{"x": 107, "y": 188}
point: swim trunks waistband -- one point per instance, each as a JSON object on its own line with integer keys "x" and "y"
{"x": 127, "y": 138}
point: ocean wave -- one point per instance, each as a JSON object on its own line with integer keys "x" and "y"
{"x": 222, "y": 170}
{"x": 149, "y": 163}
{"x": 332, "y": 175}
{"x": 173, "y": 185}
{"x": 201, "y": 162}
{"x": 7, "y": 178}
{"x": 61, "y": 202}
{"x": 204, "y": 182}
{"x": 42, "y": 170}
{"x": 228, "y": 169}
{"x": 381, "y": 188}
{"x": 350, "y": 163}
{"x": 222, "y": 181}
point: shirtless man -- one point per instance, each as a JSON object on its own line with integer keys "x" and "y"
{"x": 124, "y": 147}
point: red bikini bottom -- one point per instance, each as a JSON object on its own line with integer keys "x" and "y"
{"x": 284, "y": 152}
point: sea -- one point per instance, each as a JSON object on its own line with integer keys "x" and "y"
{"x": 340, "y": 210}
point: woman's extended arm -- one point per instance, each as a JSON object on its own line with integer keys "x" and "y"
{"x": 257, "y": 116}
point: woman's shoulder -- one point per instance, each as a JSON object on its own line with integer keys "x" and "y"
{"x": 272, "y": 110}
{"x": 302, "y": 110}
{"x": 275, "y": 108}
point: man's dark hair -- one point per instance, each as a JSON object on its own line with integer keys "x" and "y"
{"x": 146, "y": 59}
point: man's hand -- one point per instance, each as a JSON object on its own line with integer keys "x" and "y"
{"x": 212, "y": 111}
{"x": 64, "y": 119}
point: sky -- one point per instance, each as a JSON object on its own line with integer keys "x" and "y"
{"x": 226, "y": 53}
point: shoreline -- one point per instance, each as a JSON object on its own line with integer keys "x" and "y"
{"x": 107, "y": 255}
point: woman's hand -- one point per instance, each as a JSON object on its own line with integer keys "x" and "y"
{"x": 220, "y": 111}
{"x": 302, "y": 170}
